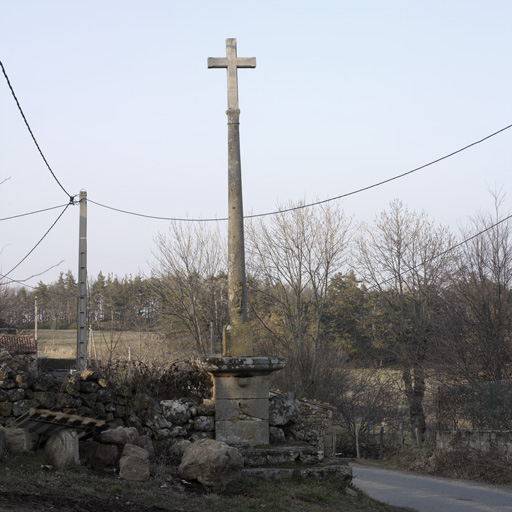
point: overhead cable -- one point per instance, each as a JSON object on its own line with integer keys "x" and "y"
{"x": 437, "y": 160}
{"x": 35, "y": 246}
{"x": 33, "y": 213}
{"x": 32, "y": 134}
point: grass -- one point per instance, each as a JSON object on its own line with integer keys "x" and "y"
{"x": 61, "y": 344}
{"x": 24, "y": 482}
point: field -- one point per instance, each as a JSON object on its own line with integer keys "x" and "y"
{"x": 61, "y": 344}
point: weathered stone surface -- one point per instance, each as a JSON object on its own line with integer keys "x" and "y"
{"x": 178, "y": 448}
{"x": 3, "y": 443}
{"x": 22, "y": 406}
{"x": 157, "y": 422}
{"x": 119, "y": 436}
{"x": 242, "y": 433}
{"x": 88, "y": 386}
{"x": 230, "y": 388}
{"x": 71, "y": 385}
{"x": 178, "y": 431}
{"x": 67, "y": 401}
{"x": 146, "y": 443}
{"x": 276, "y": 435}
{"x": 62, "y": 449}
{"x": 204, "y": 423}
{"x": 7, "y": 384}
{"x": 47, "y": 399}
{"x": 5, "y": 409}
{"x": 213, "y": 463}
{"x": 16, "y": 394}
{"x": 207, "y": 408}
{"x": 20, "y": 440}
{"x": 6, "y": 372}
{"x": 134, "y": 464}
{"x": 24, "y": 380}
{"x": 175, "y": 411}
{"x": 284, "y": 410}
{"x": 98, "y": 455}
{"x": 43, "y": 383}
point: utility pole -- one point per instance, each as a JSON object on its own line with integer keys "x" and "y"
{"x": 81, "y": 335}
{"x": 35, "y": 320}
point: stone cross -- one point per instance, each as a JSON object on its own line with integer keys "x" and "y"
{"x": 237, "y": 339}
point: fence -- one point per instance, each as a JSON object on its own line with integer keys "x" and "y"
{"x": 475, "y": 406}
{"x": 18, "y": 344}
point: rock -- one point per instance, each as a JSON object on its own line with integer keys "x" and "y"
{"x": 134, "y": 464}
{"x": 119, "y": 436}
{"x": 146, "y": 443}
{"x": 22, "y": 406}
{"x": 5, "y": 372}
{"x": 87, "y": 386}
{"x": 62, "y": 449}
{"x": 276, "y": 435}
{"x": 176, "y": 412}
{"x": 207, "y": 408}
{"x": 24, "y": 380}
{"x": 213, "y": 463}
{"x": 43, "y": 383}
{"x": 178, "y": 448}
{"x": 3, "y": 443}
{"x": 16, "y": 394}
{"x": 178, "y": 432}
{"x": 47, "y": 399}
{"x": 5, "y": 409}
{"x": 204, "y": 423}
{"x": 99, "y": 456}
{"x": 7, "y": 384}
{"x": 71, "y": 385}
{"x": 157, "y": 422}
{"x": 20, "y": 440}
{"x": 283, "y": 410}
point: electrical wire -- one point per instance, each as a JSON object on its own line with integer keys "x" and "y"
{"x": 447, "y": 251}
{"x": 33, "y": 213}
{"x": 309, "y": 205}
{"x": 35, "y": 246}
{"x": 71, "y": 198}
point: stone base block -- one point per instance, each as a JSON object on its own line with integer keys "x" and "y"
{"x": 242, "y": 433}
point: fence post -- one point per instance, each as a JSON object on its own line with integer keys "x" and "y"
{"x": 358, "y": 453}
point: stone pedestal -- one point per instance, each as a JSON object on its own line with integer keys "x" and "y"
{"x": 241, "y": 394}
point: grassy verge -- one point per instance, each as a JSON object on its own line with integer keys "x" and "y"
{"x": 26, "y": 485}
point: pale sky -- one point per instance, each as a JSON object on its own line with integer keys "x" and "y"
{"x": 345, "y": 94}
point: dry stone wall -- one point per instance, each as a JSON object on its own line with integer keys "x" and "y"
{"x": 87, "y": 394}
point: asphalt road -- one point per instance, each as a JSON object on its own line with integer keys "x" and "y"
{"x": 429, "y": 494}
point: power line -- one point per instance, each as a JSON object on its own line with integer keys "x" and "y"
{"x": 35, "y": 246}
{"x": 450, "y": 249}
{"x": 437, "y": 160}
{"x": 33, "y": 213}
{"x": 32, "y": 135}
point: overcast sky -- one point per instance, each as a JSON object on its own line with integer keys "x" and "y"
{"x": 345, "y": 94}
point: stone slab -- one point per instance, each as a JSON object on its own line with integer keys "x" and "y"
{"x": 228, "y": 410}
{"x": 242, "y": 433}
{"x": 233, "y": 388}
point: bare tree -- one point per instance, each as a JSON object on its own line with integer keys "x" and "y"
{"x": 292, "y": 259}
{"x": 479, "y": 303}
{"x": 403, "y": 255}
{"x": 190, "y": 279}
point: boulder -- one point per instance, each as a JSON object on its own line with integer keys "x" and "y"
{"x": 212, "y": 463}
{"x": 119, "y": 436}
{"x": 20, "y": 440}
{"x": 99, "y": 456}
{"x": 134, "y": 464}
{"x": 284, "y": 410}
{"x": 62, "y": 449}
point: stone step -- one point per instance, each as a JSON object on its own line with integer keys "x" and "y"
{"x": 321, "y": 471}
{"x": 281, "y": 454}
